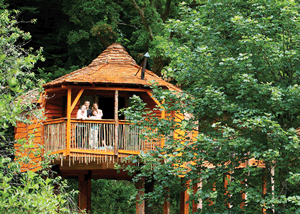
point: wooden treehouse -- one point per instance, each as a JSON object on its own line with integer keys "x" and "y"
{"x": 110, "y": 80}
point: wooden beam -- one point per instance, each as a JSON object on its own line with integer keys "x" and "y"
{"x": 264, "y": 191}
{"x": 98, "y": 88}
{"x": 84, "y": 196}
{"x": 149, "y": 186}
{"x": 163, "y": 115}
{"x": 54, "y": 89}
{"x": 166, "y": 207}
{"x": 44, "y": 102}
{"x": 140, "y": 206}
{"x": 226, "y": 179}
{"x": 68, "y": 121}
{"x": 184, "y": 197}
{"x": 155, "y": 100}
{"x": 87, "y": 151}
{"x": 116, "y": 122}
{"x": 76, "y": 99}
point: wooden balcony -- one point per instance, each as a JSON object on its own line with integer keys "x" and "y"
{"x": 96, "y": 137}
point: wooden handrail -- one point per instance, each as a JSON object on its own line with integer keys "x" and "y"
{"x": 51, "y": 121}
{"x": 105, "y": 121}
{"x": 102, "y": 121}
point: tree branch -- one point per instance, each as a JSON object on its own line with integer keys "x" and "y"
{"x": 143, "y": 19}
{"x": 121, "y": 23}
{"x": 167, "y": 11}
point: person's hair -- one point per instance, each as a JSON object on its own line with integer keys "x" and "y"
{"x": 93, "y": 108}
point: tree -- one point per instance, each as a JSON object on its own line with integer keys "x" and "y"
{"x": 73, "y": 33}
{"x": 21, "y": 192}
{"x": 238, "y": 63}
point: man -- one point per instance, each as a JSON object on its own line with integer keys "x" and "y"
{"x": 89, "y": 111}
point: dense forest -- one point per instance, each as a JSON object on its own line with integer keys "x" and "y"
{"x": 238, "y": 65}
{"x": 73, "y": 33}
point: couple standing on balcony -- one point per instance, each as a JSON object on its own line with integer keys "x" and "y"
{"x": 86, "y": 113}
{"x": 92, "y": 133}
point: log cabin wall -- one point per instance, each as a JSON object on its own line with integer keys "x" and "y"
{"x": 55, "y": 105}
{"x": 29, "y": 132}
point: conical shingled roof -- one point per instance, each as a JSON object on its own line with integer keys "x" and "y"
{"x": 114, "y": 54}
{"x": 114, "y": 65}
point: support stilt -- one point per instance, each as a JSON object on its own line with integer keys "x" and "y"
{"x": 184, "y": 197}
{"x": 140, "y": 206}
{"x": 166, "y": 209}
{"x": 264, "y": 191}
{"x": 148, "y": 188}
{"x": 197, "y": 204}
{"x": 84, "y": 197}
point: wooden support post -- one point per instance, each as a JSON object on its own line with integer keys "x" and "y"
{"x": 273, "y": 184}
{"x": 184, "y": 197}
{"x": 68, "y": 136}
{"x": 264, "y": 191}
{"x": 197, "y": 204}
{"x": 84, "y": 196}
{"x": 227, "y": 178}
{"x": 140, "y": 206}
{"x": 166, "y": 208}
{"x": 148, "y": 188}
{"x": 116, "y": 122}
{"x": 243, "y": 194}
{"x": 163, "y": 115}
{"x": 213, "y": 189}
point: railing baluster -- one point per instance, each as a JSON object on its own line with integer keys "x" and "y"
{"x": 98, "y": 135}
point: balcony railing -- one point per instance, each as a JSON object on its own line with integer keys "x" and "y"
{"x": 95, "y": 135}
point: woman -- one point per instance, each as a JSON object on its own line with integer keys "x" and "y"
{"x": 99, "y": 111}
{"x": 82, "y": 113}
{"x": 80, "y": 127}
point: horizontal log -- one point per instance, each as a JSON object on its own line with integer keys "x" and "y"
{"x": 54, "y": 89}
{"x": 20, "y": 135}
{"x": 53, "y": 106}
{"x": 20, "y": 130}
{"x": 106, "y": 121}
{"x": 58, "y": 120}
{"x": 21, "y": 125}
{"x": 58, "y": 152}
{"x": 52, "y": 110}
{"x": 50, "y": 115}
{"x": 85, "y": 151}
{"x": 129, "y": 152}
{"x": 34, "y": 126}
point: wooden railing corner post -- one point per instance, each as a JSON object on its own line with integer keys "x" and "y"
{"x": 68, "y": 134}
{"x": 163, "y": 115}
{"x": 116, "y": 123}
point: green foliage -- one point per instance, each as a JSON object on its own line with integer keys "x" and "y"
{"x": 76, "y": 32}
{"x": 111, "y": 196}
{"x": 21, "y": 192}
{"x": 14, "y": 65}
{"x": 238, "y": 64}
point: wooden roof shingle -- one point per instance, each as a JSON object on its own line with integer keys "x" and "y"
{"x": 114, "y": 65}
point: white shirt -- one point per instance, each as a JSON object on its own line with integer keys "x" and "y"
{"x": 81, "y": 115}
{"x": 100, "y": 114}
